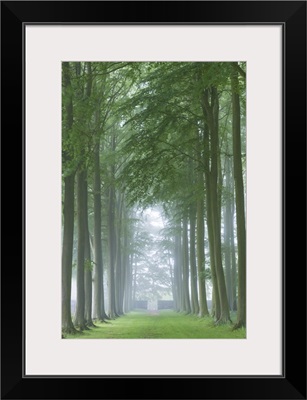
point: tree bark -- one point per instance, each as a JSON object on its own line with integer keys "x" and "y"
{"x": 126, "y": 269}
{"x": 67, "y": 251}
{"x": 79, "y": 320}
{"x": 119, "y": 278}
{"x": 68, "y": 210}
{"x": 203, "y": 306}
{"x": 211, "y": 118}
{"x": 239, "y": 190}
{"x": 178, "y": 273}
{"x": 134, "y": 282}
{"x": 99, "y": 310}
{"x": 193, "y": 278}
{"x": 185, "y": 260}
{"x": 88, "y": 269}
{"x": 227, "y": 227}
{"x": 216, "y": 308}
{"x": 233, "y": 262}
{"x": 112, "y": 254}
{"x": 112, "y": 236}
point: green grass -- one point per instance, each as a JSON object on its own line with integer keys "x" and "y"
{"x": 164, "y": 325}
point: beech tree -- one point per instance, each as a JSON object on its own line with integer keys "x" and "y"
{"x": 239, "y": 189}
{"x": 68, "y": 203}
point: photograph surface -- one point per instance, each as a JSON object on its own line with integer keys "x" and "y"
{"x": 153, "y": 200}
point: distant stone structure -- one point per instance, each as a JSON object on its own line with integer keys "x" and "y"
{"x": 141, "y": 304}
{"x": 152, "y": 305}
{"x": 165, "y": 304}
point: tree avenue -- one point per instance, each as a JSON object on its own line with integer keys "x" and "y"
{"x": 153, "y": 191}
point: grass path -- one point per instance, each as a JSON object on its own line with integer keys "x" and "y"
{"x": 161, "y": 325}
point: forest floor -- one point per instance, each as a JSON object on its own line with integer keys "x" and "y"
{"x": 164, "y": 324}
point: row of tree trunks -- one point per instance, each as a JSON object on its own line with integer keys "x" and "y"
{"x": 188, "y": 267}
{"x": 88, "y": 304}
{"x": 118, "y": 233}
{"x": 210, "y": 106}
{"x": 208, "y": 156}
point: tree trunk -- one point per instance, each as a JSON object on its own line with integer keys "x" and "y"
{"x": 126, "y": 270}
{"x": 99, "y": 311}
{"x": 185, "y": 260}
{"x": 240, "y": 209}
{"x": 178, "y": 273}
{"x": 88, "y": 269}
{"x": 227, "y": 225}
{"x": 79, "y": 320}
{"x": 134, "y": 282}
{"x": 112, "y": 236}
{"x": 215, "y": 202}
{"x": 119, "y": 281}
{"x": 200, "y": 219}
{"x": 233, "y": 263}
{"x": 193, "y": 279}
{"x": 203, "y": 306}
{"x": 112, "y": 254}
{"x": 211, "y": 118}
{"x": 68, "y": 237}
{"x": 171, "y": 271}
{"x": 68, "y": 210}
{"x": 216, "y": 308}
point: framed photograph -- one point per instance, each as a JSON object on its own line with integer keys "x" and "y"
{"x": 163, "y": 154}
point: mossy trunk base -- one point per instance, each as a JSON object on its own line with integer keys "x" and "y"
{"x": 223, "y": 320}
{"x": 69, "y": 331}
{"x": 238, "y": 325}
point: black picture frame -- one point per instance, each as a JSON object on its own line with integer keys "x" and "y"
{"x": 292, "y": 383}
